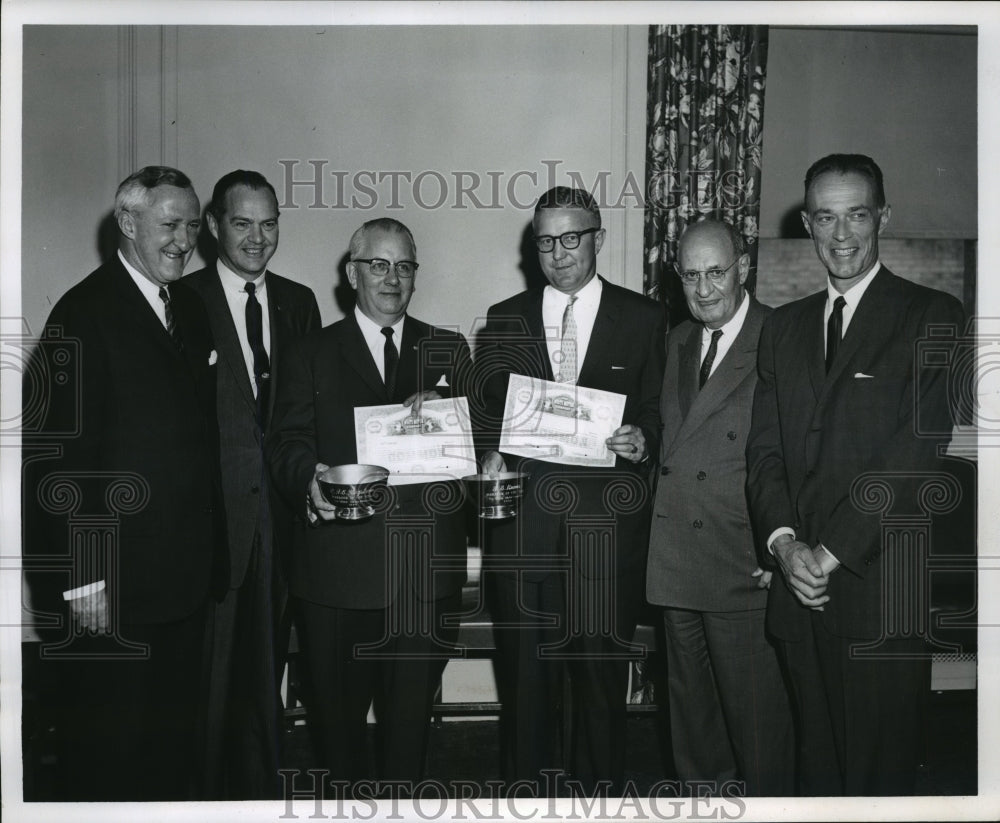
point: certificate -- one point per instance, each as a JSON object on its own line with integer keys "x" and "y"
{"x": 560, "y": 422}
{"x": 432, "y": 446}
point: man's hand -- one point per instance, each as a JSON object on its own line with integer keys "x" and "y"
{"x": 91, "y": 611}
{"x": 417, "y": 400}
{"x": 764, "y": 578}
{"x": 629, "y": 442}
{"x": 493, "y": 464}
{"x": 317, "y": 507}
{"x": 803, "y": 574}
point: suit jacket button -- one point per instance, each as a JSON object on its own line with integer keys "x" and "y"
{"x": 702, "y": 475}
{"x": 731, "y": 435}
{"x": 697, "y": 524}
{"x": 664, "y": 471}
{"x": 255, "y": 489}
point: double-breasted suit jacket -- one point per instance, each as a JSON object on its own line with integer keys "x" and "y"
{"x": 702, "y": 550}
{"x": 325, "y": 376}
{"x": 882, "y": 409}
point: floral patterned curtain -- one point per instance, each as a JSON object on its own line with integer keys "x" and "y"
{"x": 704, "y": 119}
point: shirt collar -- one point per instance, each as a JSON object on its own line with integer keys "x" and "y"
{"x": 149, "y": 289}
{"x": 588, "y": 295}
{"x": 732, "y": 327}
{"x": 231, "y": 281}
{"x": 372, "y": 330}
{"x": 854, "y": 294}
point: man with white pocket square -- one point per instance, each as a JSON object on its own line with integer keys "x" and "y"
{"x": 842, "y": 401}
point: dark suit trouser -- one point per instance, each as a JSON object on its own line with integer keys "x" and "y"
{"x": 861, "y": 719}
{"x": 730, "y": 716}
{"x": 129, "y": 724}
{"x": 401, "y": 673}
{"x": 534, "y": 616}
{"x": 242, "y": 726}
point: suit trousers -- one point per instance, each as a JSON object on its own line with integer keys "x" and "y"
{"x": 356, "y": 656}
{"x": 242, "y": 725}
{"x": 128, "y": 724}
{"x": 730, "y": 716}
{"x": 861, "y": 707}
{"x": 538, "y": 638}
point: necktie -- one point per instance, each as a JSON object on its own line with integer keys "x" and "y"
{"x": 261, "y": 363}
{"x": 168, "y": 314}
{"x": 706, "y": 364}
{"x": 567, "y": 363}
{"x": 391, "y": 361}
{"x": 834, "y": 331}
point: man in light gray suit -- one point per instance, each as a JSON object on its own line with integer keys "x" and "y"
{"x": 254, "y": 313}
{"x": 729, "y": 712}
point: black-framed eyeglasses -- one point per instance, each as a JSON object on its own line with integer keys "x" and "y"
{"x": 380, "y": 268}
{"x": 569, "y": 240}
{"x": 690, "y": 278}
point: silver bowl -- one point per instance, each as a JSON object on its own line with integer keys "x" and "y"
{"x": 496, "y": 495}
{"x": 353, "y": 488}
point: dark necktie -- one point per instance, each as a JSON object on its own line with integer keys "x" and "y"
{"x": 834, "y": 331}
{"x": 168, "y": 314}
{"x": 391, "y": 361}
{"x": 706, "y": 364}
{"x": 261, "y": 362}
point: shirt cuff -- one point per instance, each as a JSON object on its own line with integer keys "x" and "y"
{"x": 776, "y": 534}
{"x": 830, "y": 553}
{"x": 84, "y": 591}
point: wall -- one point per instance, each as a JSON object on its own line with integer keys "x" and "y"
{"x": 516, "y": 107}
{"x": 908, "y": 99}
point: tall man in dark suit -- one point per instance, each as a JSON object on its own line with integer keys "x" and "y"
{"x": 144, "y": 442}
{"x": 254, "y": 313}
{"x": 370, "y": 602}
{"x": 729, "y": 712}
{"x": 549, "y": 589}
{"x": 843, "y": 394}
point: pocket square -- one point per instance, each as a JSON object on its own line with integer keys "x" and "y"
{"x": 213, "y": 357}
{"x": 862, "y": 376}
{"x": 617, "y": 368}
{"x": 442, "y": 382}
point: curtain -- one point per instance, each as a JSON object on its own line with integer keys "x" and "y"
{"x": 704, "y": 119}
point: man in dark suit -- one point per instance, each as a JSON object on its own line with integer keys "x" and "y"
{"x": 139, "y": 437}
{"x": 370, "y": 601}
{"x": 254, "y": 313}
{"x": 847, "y": 419}
{"x": 549, "y": 589}
{"x": 729, "y": 713}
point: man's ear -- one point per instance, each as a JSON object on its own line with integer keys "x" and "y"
{"x": 213, "y": 224}
{"x": 805, "y": 222}
{"x": 883, "y": 217}
{"x": 598, "y": 240}
{"x": 744, "y": 268}
{"x": 126, "y": 224}
{"x": 352, "y": 274}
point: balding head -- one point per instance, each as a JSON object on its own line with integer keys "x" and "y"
{"x": 712, "y": 246}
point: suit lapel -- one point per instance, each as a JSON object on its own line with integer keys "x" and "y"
{"x": 689, "y": 365}
{"x": 408, "y": 377}
{"x": 738, "y": 364}
{"x": 227, "y": 341}
{"x": 811, "y": 338}
{"x": 359, "y": 357}
{"x": 279, "y": 322}
{"x": 602, "y": 337}
{"x": 536, "y": 331}
{"x": 142, "y": 314}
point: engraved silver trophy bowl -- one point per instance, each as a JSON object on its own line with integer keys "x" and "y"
{"x": 497, "y": 495}
{"x": 353, "y": 488}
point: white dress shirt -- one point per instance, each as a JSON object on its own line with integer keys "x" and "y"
{"x": 149, "y": 289}
{"x": 234, "y": 287}
{"x": 554, "y": 302}
{"x": 376, "y": 340}
{"x": 729, "y": 332}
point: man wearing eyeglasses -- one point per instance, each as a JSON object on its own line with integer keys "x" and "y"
{"x": 729, "y": 713}
{"x": 556, "y": 604}
{"x": 370, "y": 605}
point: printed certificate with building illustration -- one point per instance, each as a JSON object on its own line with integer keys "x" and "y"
{"x": 434, "y": 445}
{"x": 559, "y": 422}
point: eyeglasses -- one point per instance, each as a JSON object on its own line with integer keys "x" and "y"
{"x": 405, "y": 269}
{"x": 690, "y": 278}
{"x": 569, "y": 240}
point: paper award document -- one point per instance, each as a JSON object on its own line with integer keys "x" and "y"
{"x": 434, "y": 446}
{"x": 560, "y": 422}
